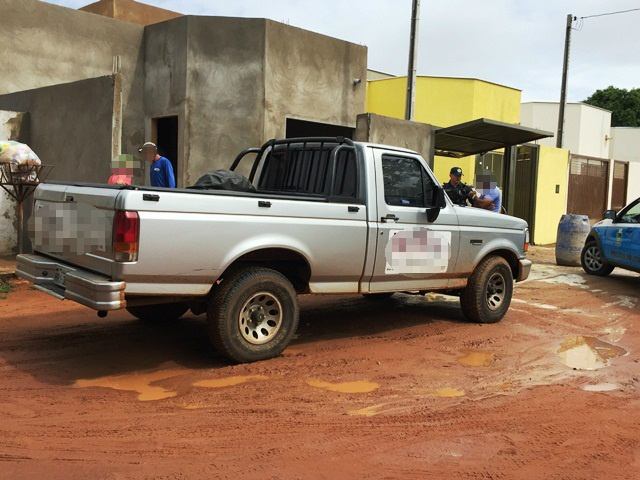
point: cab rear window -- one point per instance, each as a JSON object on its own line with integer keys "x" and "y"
{"x": 308, "y": 172}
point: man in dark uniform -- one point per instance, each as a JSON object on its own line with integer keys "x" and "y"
{"x": 460, "y": 192}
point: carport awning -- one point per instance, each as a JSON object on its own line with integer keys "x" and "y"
{"x": 482, "y": 135}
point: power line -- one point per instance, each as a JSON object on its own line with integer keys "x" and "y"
{"x": 611, "y": 13}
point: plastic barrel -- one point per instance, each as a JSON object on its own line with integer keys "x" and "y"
{"x": 572, "y": 232}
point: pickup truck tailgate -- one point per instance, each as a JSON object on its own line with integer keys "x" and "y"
{"x": 74, "y": 224}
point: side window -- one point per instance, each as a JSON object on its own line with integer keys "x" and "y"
{"x": 406, "y": 184}
{"x": 632, "y": 215}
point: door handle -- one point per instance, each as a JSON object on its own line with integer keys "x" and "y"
{"x": 388, "y": 217}
{"x": 264, "y": 204}
{"x": 354, "y": 209}
{"x": 629, "y": 230}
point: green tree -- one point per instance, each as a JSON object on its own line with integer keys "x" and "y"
{"x": 624, "y": 105}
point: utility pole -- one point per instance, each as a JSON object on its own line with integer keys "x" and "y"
{"x": 563, "y": 89}
{"x": 413, "y": 60}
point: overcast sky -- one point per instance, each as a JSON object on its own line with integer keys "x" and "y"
{"x": 515, "y": 43}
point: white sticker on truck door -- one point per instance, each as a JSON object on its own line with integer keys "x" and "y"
{"x": 417, "y": 251}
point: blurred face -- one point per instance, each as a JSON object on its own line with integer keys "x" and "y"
{"x": 485, "y": 182}
{"x": 149, "y": 154}
{"x": 124, "y": 165}
{"x": 455, "y": 179}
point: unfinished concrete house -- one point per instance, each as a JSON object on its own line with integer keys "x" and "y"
{"x": 92, "y": 84}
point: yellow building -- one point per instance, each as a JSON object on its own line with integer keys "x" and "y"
{"x": 447, "y": 101}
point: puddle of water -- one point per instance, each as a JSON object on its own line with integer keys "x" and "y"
{"x": 601, "y": 387}
{"x": 136, "y": 382}
{"x": 367, "y": 411}
{"x": 359, "y": 386}
{"x": 228, "y": 381}
{"x": 588, "y": 353}
{"x": 448, "y": 392}
{"x": 476, "y": 358}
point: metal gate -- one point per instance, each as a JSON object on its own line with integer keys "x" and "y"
{"x": 525, "y": 187}
{"x": 588, "y": 180}
{"x": 619, "y": 185}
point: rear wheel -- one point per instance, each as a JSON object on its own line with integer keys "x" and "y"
{"x": 487, "y": 296}
{"x": 162, "y": 312}
{"x": 592, "y": 262}
{"x": 253, "y": 314}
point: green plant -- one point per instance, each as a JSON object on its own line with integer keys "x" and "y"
{"x": 5, "y": 287}
{"x": 624, "y": 105}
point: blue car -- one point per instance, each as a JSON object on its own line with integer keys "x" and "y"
{"x": 614, "y": 242}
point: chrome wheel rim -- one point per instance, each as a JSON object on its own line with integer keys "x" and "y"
{"x": 496, "y": 290}
{"x": 260, "y": 318}
{"x": 592, "y": 258}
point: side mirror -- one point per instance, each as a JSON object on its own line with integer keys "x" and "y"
{"x": 610, "y": 214}
{"x": 440, "y": 202}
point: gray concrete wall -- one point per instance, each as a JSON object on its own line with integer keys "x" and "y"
{"x": 52, "y": 45}
{"x": 70, "y": 128}
{"x": 399, "y": 133}
{"x": 13, "y": 126}
{"x": 309, "y": 76}
{"x": 225, "y": 92}
{"x": 165, "y": 84}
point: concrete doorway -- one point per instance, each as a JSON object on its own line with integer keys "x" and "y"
{"x": 303, "y": 128}
{"x": 165, "y": 136}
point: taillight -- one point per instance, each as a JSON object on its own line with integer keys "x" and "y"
{"x": 526, "y": 240}
{"x": 126, "y": 231}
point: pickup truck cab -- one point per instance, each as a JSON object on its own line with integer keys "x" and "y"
{"x": 614, "y": 242}
{"x": 328, "y": 216}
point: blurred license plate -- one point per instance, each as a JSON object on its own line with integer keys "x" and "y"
{"x": 60, "y": 277}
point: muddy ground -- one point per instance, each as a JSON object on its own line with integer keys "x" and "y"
{"x": 398, "y": 388}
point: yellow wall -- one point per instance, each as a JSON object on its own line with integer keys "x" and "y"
{"x": 550, "y": 206}
{"x": 442, "y": 166}
{"x": 496, "y": 102}
{"x": 444, "y": 102}
{"x": 387, "y": 97}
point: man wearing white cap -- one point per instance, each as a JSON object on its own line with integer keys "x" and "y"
{"x": 161, "y": 171}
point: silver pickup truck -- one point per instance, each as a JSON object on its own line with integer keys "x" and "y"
{"x": 323, "y": 216}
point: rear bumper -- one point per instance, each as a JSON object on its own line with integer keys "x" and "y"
{"x": 524, "y": 269}
{"x": 87, "y": 288}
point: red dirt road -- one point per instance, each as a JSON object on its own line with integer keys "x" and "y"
{"x": 397, "y": 388}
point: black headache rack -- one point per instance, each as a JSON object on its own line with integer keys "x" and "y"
{"x": 329, "y": 178}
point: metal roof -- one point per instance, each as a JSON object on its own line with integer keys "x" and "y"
{"x": 482, "y": 135}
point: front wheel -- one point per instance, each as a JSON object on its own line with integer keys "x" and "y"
{"x": 592, "y": 262}
{"x": 253, "y": 315}
{"x": 487, "y": 296}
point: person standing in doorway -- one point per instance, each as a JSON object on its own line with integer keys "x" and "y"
{"x": 161, "y": 171}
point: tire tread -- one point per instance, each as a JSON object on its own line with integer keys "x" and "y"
{"x": 470, "y": 299}
{"x": 219, "y": 305}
